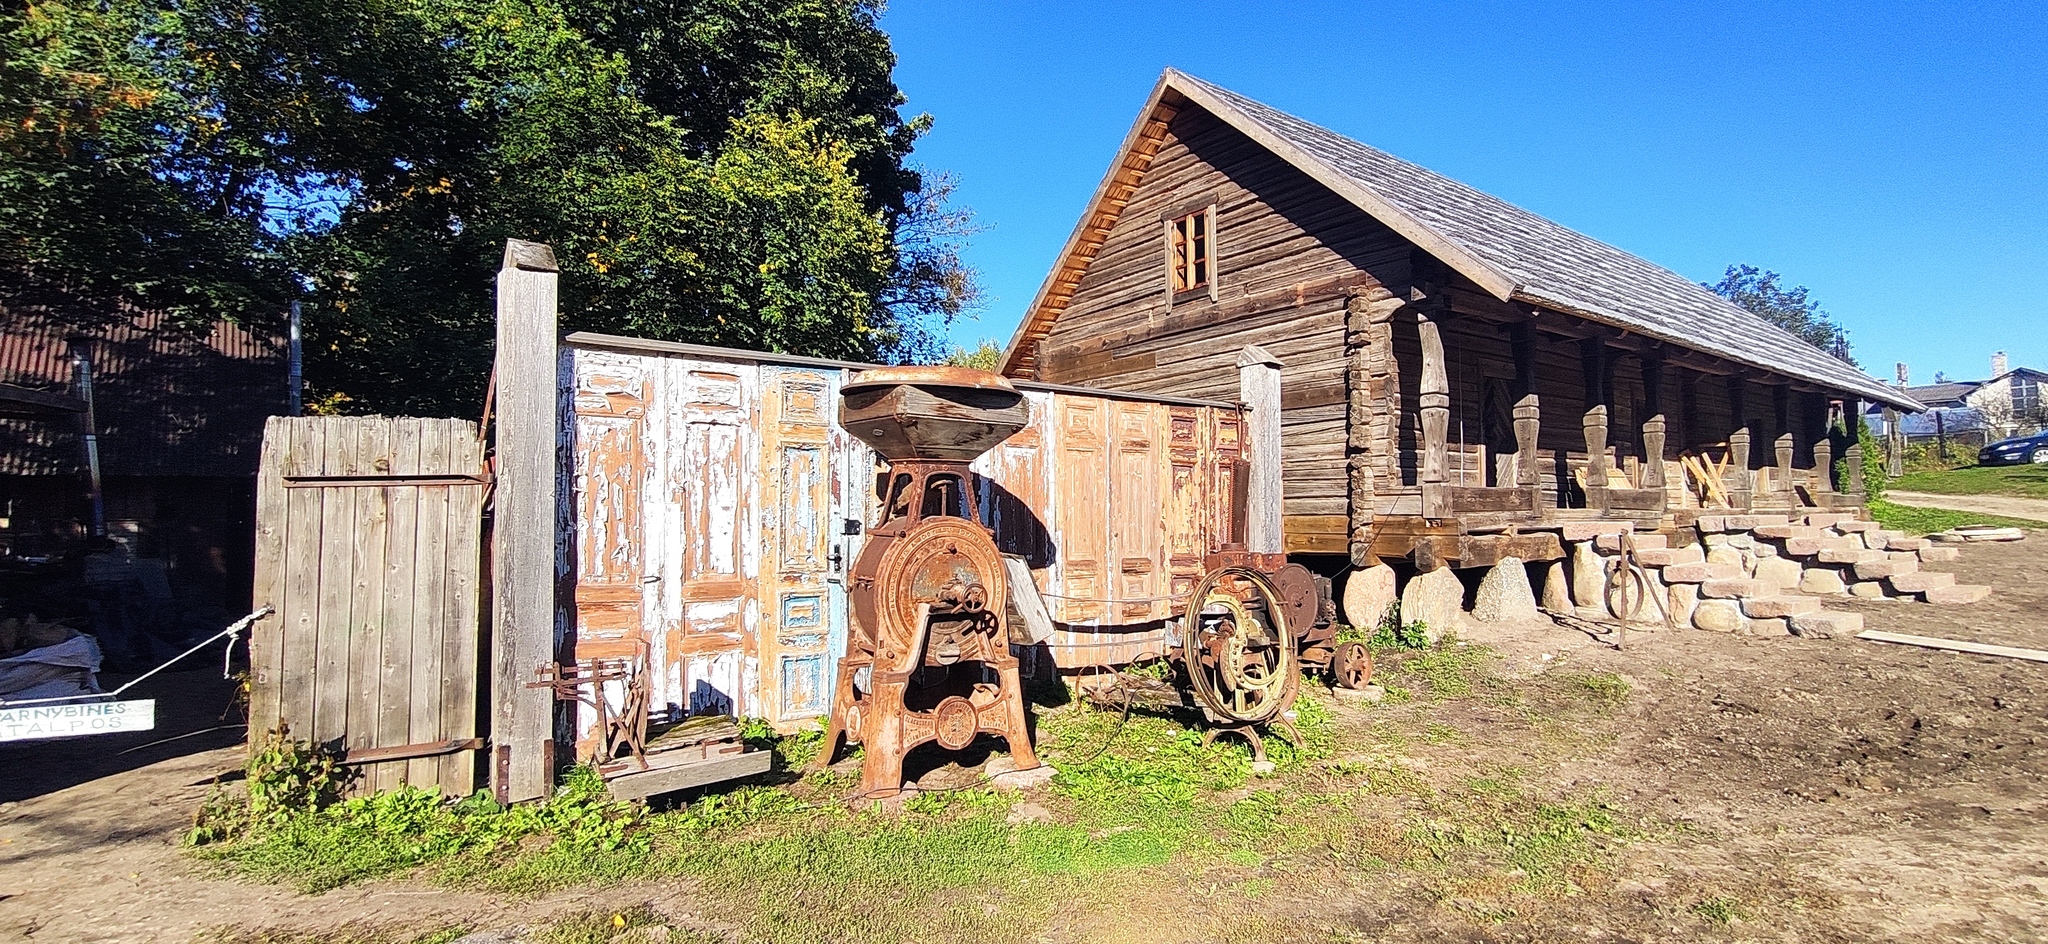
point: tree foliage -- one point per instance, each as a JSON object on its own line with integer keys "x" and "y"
{"x": 1791, "y": 309}
{"x": 714, "y": 171}
{"x": 987, "y": 356}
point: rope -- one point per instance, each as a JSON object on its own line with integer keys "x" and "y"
{"x": 234, "y": 629}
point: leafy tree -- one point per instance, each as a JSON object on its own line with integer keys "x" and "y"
{"x": 1791, "y": 309}
{"x": 989, "y": 357}
{"x": 708, "y": 170}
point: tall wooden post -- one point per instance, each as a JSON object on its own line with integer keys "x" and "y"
{"x": 1783, "y": 447}
{"x": 1528, "y": 427}
{"x": 1653, "y": 452}
{"x": 1435, "y": 403}
{"x": 1367, "y": 347}
{"x": 1258, "y": 385}
{"x": 523, "y": 524}
{"x": 1739, "y": 481}
{"x": 1823, "y": 480}
{"x": 1595, "y": 426}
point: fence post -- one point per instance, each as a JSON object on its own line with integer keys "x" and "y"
{"x": 1258, "y": 385}
{"x": 523, "y": 524}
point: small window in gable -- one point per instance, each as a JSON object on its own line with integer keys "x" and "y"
{"x": 1190, "y": 251}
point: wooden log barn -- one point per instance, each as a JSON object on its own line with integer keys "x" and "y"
{"x": 1465, "y": 380}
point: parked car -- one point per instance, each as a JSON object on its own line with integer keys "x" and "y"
{"x": 2015, "y": 451}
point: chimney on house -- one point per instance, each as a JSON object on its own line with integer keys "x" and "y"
{"x": 1998, "y": 365}
{"x": 1902, "y": 373}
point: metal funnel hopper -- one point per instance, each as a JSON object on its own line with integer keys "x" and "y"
{"x": 935, "y": 413}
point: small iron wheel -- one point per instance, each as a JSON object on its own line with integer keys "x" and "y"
{"x": 1626, "y": 591}
{"x": 1351, "y": 666}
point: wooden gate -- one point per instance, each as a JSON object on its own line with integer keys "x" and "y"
{"x": 368, "y": 539}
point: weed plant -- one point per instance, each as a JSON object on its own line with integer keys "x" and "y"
{"x": 1139, "y": 800}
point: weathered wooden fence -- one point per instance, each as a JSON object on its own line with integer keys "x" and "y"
{"x": 368, "y": 544}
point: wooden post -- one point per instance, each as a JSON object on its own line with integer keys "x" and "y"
{"x": 1741, "y": 481}
{"x": 1522, "y": 341}
{"x": 1528, "y": 425}
{"x": 1823, "y": 480}
{"x": 1365, "y": 319}
{"x": 1653, "y": 452}
{"x": 1258, "y": 385}
{"x": 1595, "y": 426}
{"x": 1783, "y": 477}
{"x": 1435, "y": 401}
{"x": 523, "y": 524}
{"x": 1593, "y": 363}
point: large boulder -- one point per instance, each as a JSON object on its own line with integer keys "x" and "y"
{"x": 1435, "y": 600}
{"x": 1557, "y": 594}
{"x": 1589, "y": 575}
{"x": 1368, "y": 592}
{"x": 1720, "y": 616}
{"x": 1505, "y": 595}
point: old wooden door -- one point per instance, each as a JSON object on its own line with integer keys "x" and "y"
{"x": 803, "y": 484}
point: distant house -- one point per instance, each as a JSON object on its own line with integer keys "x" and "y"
{"x": 2009, "y": 403}
{"x": 179, "y": 419}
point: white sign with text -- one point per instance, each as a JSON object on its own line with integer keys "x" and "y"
{"x": 55, "y": 721}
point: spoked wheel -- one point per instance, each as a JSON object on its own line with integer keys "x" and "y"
{"x": 1626, "y": 589}
{"x": 1239, "y": 647}
{"x": 1351, "y": 667}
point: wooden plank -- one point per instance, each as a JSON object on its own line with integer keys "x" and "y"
{"x": 337, "y": 523}
{"x": 266, "y": 638}
{"x": 1259, "y": 389}
{"x": 366, "y": 626}
{"x": 523, "y": 551}
{"x": 427, "y": 635}
{"x": 401, "y": 576}
{"x": 300, "y": 561}
{"x": 1955, "y": 645}
{"x": 661, "y": 778}
{"x": 461, "y": 632}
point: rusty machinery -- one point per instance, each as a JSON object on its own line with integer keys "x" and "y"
{"x": 928, "y": 659}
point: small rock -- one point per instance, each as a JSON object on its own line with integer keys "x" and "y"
{"x": 1369, "y": 695}
{"x": 1778, "y": 572}
{"x": 1869, "y": 590}
{"x": 1719, "y": 616}
{"x": 1029, "y": 812}
{"x": 1775, "y": 626}
{"x": 1368, "y": 592}
{"x": 1505, "y": 595}
{"x": 1434, "y": 599}
{"x": 1827, "y": 624}
{"x": 1002, "y": 774}
{"x": 1263, "y": 768}
{"x": 1589, "y": 575}
{"x": 1557, "y": 595}
{"x": 1821, "y": 580}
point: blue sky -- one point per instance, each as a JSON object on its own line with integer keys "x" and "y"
{"x": 1891, "y": 157}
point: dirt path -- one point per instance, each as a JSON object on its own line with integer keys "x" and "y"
{"x": 2033, "y": 509}
{"x": 1824, "y": 789}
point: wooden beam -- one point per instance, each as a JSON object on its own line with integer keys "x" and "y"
{"x": 1435, "y": 403}
{"x": 1258, "y": 385}
{"x": 1955, "y": 645}
{"x": 1653, "y": 452}
{"x": 523, "y": 525}
{"x": 1528, "y": 427}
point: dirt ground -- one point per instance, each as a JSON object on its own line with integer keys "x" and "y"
{"x": 1829, "y": 789}
{"x": 2010, "y": 506}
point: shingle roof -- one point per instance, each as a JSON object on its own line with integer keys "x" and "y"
{"x": 1520, "y": 255}
{"x": 1943, "y": 394}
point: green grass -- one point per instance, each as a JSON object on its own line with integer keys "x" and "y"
{"x": 1140, "y": 808}
{"x": 1916, "y": 520}
{"x": 2019, "y": 481}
